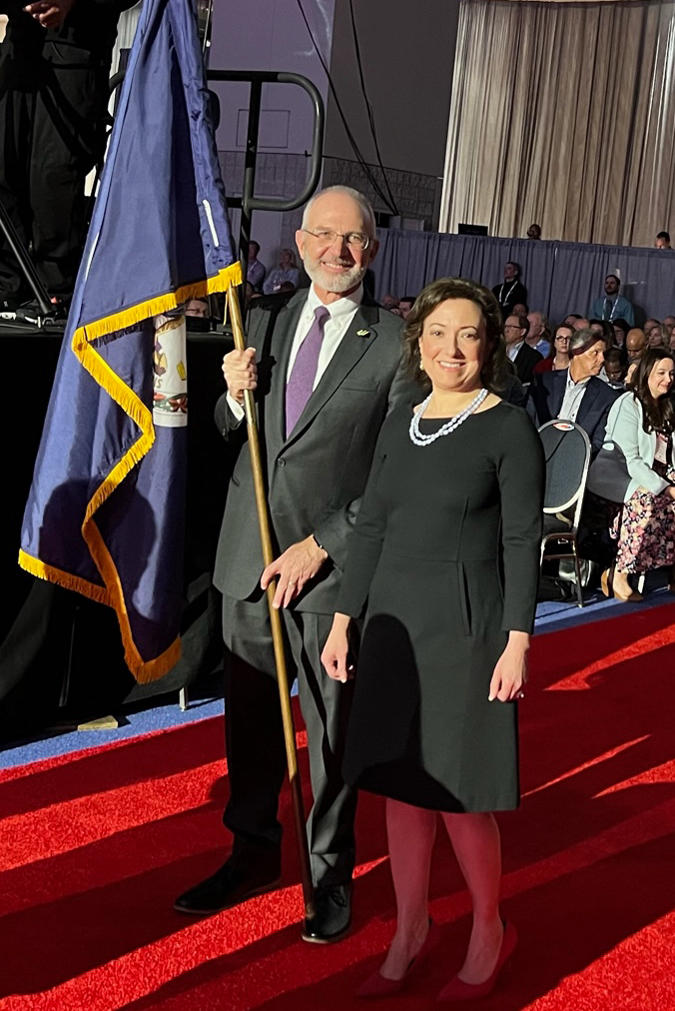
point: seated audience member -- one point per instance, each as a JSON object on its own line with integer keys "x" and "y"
{"x": 612, "y": 305}
{"x": 581, "y": 323}
{"x": 638, "y": 458}
{"x": 520, "y": 309}
{"x": 286, "y": 271}
{"x": 671, "y": 342}
{"x": 558, "y": 358}
{"x": 655, "y": 336}
{"x": 389, "y": 302}
{"x": 669, "y": 323}
{"x": 636, "y": 344}
{"x": 571, "y": 318}
{"x": 255, "y": 271}
{"x": 198, "y": 307}
{"x": 518, "y": 350}
{"x": 621, "y": 329}
{"x": 405, "y": 304}
{"x": 576, "y": 394}
{"x": 606, "y": 329}
{"x": 616, "y": 367}
{"x": 537, "y": 334}
{"x": 663, "y": 241}
{"x": 511, "y": 291}
{"x": 534, "y": 232}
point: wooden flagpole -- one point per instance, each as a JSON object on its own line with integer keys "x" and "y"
{"x": 275, "y": 618}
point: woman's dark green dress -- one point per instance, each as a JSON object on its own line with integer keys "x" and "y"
{"x": 445, "y": 554}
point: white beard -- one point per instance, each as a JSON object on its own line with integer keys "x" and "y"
{"x": 337, "y": 283}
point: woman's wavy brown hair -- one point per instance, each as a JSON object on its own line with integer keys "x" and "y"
{"x": 495, "y": 369}
{"x": 657, "y": 415}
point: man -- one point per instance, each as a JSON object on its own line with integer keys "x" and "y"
{"x": 255, "y": 271}
{"x": 663, "y": 241}
{"x": 324, "y": 370}
{"x": 534, "y": 232}
{"x": 581, "y": 323}
{"x": 536, "y": 333}
{"x": 54, "y": 69}
{"x": 669, "y": 323}
{"x": 576, "y": 394}
{"x": 520, "y": 309}
{"x": 404, "y": 306}
{"x": 613, "y": 305}
{"x": 636, "y": 344}
{"x": 519, "y": 352}
{"x": 511, "y": 291}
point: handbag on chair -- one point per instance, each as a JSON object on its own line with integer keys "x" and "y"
{"x": 608, "y": 476}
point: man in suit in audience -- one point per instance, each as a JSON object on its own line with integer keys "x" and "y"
{"x": 519, "y": 352}
{"x": 576, "y": 394}
{"x": 325, "y": 368}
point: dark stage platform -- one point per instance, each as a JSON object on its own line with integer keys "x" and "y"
{"x": 54, "y": 642}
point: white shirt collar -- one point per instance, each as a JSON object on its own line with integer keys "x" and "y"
{"x": 341, "y": 307}
{"x": 570, "y": 381}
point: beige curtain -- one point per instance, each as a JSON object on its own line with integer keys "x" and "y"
{"x": 563, "y": 115}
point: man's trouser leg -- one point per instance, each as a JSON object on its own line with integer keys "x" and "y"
{"x": 255, "y": 744}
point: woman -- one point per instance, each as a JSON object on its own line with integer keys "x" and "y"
{"x": 286, "y": 272}
{"x": 655, "y": 336}
{"x": 640, "y": 440}
{"x": 444, "y": 648}
{"x": 558, "y": 359}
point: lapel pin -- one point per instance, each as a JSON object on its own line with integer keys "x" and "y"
{"x": 363, "y": 333}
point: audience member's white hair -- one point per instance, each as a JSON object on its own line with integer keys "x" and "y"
{"x": 358, "y": 198}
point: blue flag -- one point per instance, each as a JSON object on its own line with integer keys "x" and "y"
{"x": 106, "y": 509}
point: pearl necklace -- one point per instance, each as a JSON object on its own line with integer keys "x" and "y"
{"x": 448, "y": 427}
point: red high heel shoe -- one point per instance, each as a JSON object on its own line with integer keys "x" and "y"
{"x": 378, "y": 985}
{"x": 457, "y": 989}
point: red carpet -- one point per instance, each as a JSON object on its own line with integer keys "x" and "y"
{"x": 95, "y": 846}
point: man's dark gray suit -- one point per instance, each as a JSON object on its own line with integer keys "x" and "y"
{"x": 315, "y": 478}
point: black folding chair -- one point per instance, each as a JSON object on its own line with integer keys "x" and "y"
{"x": 568, "y": 455}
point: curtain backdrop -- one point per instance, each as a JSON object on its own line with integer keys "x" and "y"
{"x": 560, "y": 277}
{"x": 564, "y": 115}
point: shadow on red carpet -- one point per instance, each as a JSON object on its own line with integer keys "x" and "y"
{"x": 101, "y": 844}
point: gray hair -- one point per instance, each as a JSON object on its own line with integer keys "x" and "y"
{"x": 583, "y": 340}
{"x": 347, "y": 191}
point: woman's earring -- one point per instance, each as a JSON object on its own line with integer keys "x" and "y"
{"x": 422, "y": 369}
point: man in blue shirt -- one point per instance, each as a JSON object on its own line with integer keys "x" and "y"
{"x": 613, "y": 305}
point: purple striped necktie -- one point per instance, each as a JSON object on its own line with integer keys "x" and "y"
{"x": 303, "y": 374}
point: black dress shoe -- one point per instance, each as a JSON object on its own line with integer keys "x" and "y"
{"x": 226, "y": 888}
{"x": 333, "y": 915}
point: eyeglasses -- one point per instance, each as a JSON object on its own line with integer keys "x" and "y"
{"x": 357, "y": 240}
{"x": 513, "y": 326}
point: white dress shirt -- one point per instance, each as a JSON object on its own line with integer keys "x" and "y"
{"x": 574, "y": 394}
{"x": 513, "y": 349}
{"x": 342, "y": 313}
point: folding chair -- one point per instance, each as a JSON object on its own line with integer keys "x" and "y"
{"x": 568, "y": 455}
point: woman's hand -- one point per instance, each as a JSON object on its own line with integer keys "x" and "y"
{"x": 336, "y": 651}
{"x": 510, "y": 674}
